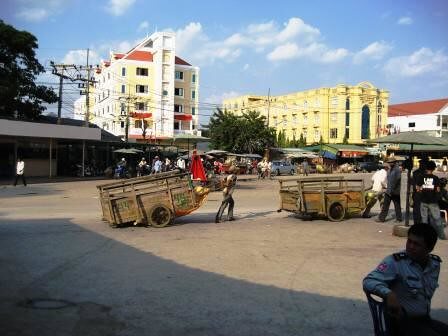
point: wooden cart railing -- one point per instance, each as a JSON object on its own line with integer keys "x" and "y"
{"x": 333, "y": 197}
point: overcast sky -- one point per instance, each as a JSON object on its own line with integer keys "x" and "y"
{"x": 249, "y": 47}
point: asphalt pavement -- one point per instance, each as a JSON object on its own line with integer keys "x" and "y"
{"x": 66, "y": 272}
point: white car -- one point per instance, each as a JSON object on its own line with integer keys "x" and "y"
{"x": 282, "y": 167}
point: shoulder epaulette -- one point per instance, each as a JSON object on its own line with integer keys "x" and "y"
{"x": 400, "y": 256}
{"x": 435, "y": 257}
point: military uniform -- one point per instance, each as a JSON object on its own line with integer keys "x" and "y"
{"x": 414, "y": 288}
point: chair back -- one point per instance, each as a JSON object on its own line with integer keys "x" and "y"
{"x": 377, "y": 308}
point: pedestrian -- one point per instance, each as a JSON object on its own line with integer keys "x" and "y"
{"x": 180, "y": 164}
{"x": 142, "y": 167}
{"x": 305, "y": 167}
{"x": 428, "y": 186}
{"x": 20, "y": 171}
{"x": 379, "y": 184}
{"x": 392, "y": 192}
{"x": 416, "y": 197}
{"x": 229, "y": 187}
{"x": 443, "y": 201}
{"x": 157, "y": 168}
{"x": 407, "y": 281}
{"x": 444, "y": 165}
{"x": 167, "y": 166}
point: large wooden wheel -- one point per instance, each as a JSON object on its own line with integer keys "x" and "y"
{"x": 335, "y": 211}
{"x": 160, "y": 216}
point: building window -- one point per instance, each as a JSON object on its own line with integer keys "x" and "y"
{"x": 316, "y": 118}
{"x": 122, "y": 124}
{"x": 179, "y": 92}
{"x": 285, "y": 122}
{"x": 305, "y": 134}
{"x": 193, "y": 78}
{"x": 123, "y": 108}
{"x": 176, "y": 125}
{"x": 347, "y": 133}
{"x": 193, "y": 110}
{"x": 305, "y": 119}
{"x": 305, "y": 105}
{"x": 333, "y": 133}
{"x": 294, "y": 119}
{"x": 179, "y": 75}
{"x": 178, "y": 108}
{"x": 165, "y": 92}
{"x": 334, "y": 117}
{"x": 123, "y": 72}
{"x": 140, "y": 123}
{"x": 123, "y": 88}
{"x": 193, "y": 94}
{"x": 141, "y": 88}
{"x": 139, "y": 106}
{"x": 142, "y": 71}
{"x": 347, "y": 119}
{"x": 316, "y": 135}
{"x": 334, "y": 101}
{"x": 412, "y": 124}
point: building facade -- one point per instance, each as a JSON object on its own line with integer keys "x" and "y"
{"x": 146, "y": 93}
{"x": 430, "y": 116}
{"x": 357, "y": 113}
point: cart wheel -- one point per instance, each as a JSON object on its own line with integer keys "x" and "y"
{"x": 336, "y": 212}
{"x": 160, "y": 216}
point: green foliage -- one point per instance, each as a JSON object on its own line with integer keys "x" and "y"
{"x": 302, "y": 141}
{"x": 19, "y": 95}
{"x": 240, "y": 134}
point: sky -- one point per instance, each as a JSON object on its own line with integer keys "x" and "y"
{"x": 256, "y": 47}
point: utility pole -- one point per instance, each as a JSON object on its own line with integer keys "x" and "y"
{"x": 127, "y": 116}
{"x": 60, "y": 74}
{"x": 87, "y": 117}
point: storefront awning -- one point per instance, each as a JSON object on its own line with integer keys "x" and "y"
{"x": 141, "y": 115}
{"x": 185, "y": 117}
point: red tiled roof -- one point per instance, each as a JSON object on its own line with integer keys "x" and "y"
{"x": 416, "y": 108}
{"x": 180, "y": 61}
{"x": 138, "y": 55}
{"x": 118, "y": 56}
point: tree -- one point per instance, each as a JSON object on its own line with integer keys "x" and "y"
{"x": 241, "y": 134}
{"x": 302, "y": 141}
{"x": 20, "y": 97}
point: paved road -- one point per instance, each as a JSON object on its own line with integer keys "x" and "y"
{"x": 267, "y": 273}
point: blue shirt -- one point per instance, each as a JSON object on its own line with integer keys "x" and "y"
{"x": 413, "y": 285}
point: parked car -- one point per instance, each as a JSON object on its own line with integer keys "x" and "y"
{"x": 282, "y": 167}
{"x": 369, "y": 166}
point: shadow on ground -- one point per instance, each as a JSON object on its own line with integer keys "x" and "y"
{"x": 115, "y": 289}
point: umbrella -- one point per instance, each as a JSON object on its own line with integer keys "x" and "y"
{"x": 216, "y": 152}
{"x": 411, "y": 138}
{"x": 196, "y": 168}
{"x": 128, "y": 151}
{"x": 189, "y": 138}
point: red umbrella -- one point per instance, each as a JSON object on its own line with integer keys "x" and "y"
{"x": 196, "y": 168}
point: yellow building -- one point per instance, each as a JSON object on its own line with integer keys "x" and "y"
{"x": 148, "y": 89}
{"x": 355, "y": 112}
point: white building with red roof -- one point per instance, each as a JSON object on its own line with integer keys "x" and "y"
{"x": 146, "y": 93}
{"x": 430, "y": 116}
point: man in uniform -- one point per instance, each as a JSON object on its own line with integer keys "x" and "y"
{"x": 229, "y": 187}
{"x": 407, "y": 281}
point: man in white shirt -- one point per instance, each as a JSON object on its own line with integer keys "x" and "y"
{"x": 20, "y": 171}
{"x": 379, "y": 184}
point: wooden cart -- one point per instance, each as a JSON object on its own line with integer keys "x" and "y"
{"x": 153, "y": 200}
{"x": 333, "y": 197}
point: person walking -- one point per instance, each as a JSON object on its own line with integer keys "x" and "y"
{"x": 392, "y": 192}
{"x": 305, "y": 167}
{"x": 416, "y": 196}
{"x": 407, "y": 281}
{"x": 379, "y": 184}
{"x": 20, "y": 171}
{"x": 444, "y": 165}
{"x": 229, "y": 187}
{"x": 428, "y": 186}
